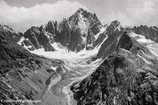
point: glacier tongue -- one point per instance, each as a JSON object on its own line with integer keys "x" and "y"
{"x": 77, "y": 66}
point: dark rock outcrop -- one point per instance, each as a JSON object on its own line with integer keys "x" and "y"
{"x": 79, "y": 30}
{"x": 39, "y": 38}
{"x": 118, "y": 81}
{"x": 76, "y": 32}
{"x": 9, "y": 34}
{"x": 110, "y": 44}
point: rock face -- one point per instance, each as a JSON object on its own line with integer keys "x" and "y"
{"x": 79, "y": 30}
{"x": 39, "y": 38}
{"x": 128, "y": 75}
{"x": 76, "y": 32}
{"x": 109, "y": 46}
{"x": 9, "y": 33}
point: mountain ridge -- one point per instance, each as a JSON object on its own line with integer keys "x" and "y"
{"x": 72, "y": 34}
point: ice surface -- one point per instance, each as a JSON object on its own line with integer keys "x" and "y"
{"x": 20, "y": 41}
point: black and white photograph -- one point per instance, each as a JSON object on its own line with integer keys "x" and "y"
{"x": 78, "y": 52}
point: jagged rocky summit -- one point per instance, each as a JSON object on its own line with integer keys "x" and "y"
{"x": 77, "y": 32}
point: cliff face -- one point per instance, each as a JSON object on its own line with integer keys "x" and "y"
{"x": 39, "y": 38}
{"x": 77, "y": 32}
{"x": 113, "y": 34}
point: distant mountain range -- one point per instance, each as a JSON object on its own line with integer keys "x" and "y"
{"x": 110, "y": 64}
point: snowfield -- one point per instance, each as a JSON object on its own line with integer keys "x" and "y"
{"x": 151, "y": 45}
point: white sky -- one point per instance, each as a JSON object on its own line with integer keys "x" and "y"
{"x": 21, "y": 14}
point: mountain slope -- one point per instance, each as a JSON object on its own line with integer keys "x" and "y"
{"x": 23, "y": 75}
{"x": 128, "y": 75}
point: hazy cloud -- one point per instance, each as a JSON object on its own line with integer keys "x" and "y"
{"x": 136, "y": 12}
{"x": 22, "y": 17}
{"x": 129, "y": 12}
